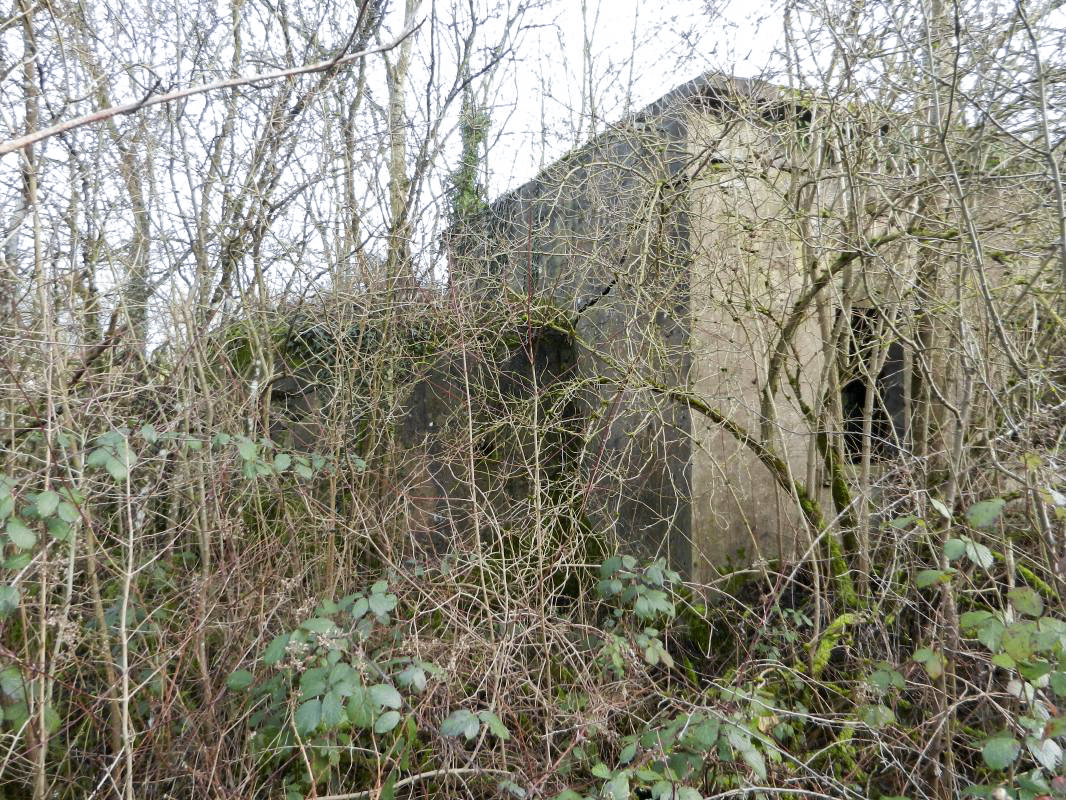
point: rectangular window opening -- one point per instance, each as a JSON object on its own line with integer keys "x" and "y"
{"x": 870, "y": 343}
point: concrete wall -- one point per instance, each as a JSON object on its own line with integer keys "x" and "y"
{"x": 603, "y": 235}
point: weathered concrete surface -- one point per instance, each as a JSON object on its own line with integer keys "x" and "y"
{"x": 660, "y": 255}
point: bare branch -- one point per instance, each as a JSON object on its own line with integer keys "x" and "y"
{"x": 29, "y": 139}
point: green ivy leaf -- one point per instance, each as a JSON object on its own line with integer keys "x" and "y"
{"x": 1000, "y": 751}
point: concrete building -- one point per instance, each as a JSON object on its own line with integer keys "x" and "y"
{"x": 669, "y": 242}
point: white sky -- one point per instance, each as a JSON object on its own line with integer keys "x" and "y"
{"x": 639, "y": 51}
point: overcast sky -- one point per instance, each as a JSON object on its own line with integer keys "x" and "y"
{"x": 639, "y": 51}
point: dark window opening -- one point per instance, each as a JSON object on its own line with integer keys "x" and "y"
{"x": 865, "y": 348}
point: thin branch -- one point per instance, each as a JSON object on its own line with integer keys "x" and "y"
{"x": 11, "y": 145}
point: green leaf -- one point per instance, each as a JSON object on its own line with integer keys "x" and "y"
{"x": 304, "y": 471}
{"x": 282, "y": 462}
{"x": 495, "y": 725}
{"x": 973, "y": 619}
{"x": 617, "y": 788}
{"x": 382, "y": 604}
{"x": 628, "y": 753}
{"x": 387, "y": 721}
{"x": 740, "y": 741}
{"x": 99, "y": 457}
{"x": 247, "y": 449}
{"x": 877, "y": 716}
{"x": 58, "y": 529}
{"x": 413, "y": 678}
{"x": 460, "y": 723}
{"x": 1058, "y": 683}
{"x": 7, "y": 506}
{"x": 21, "y": 536}
{"x": 985, "y": 513}
{"x": 361, "y": 710}
{"x": 239, "y": 680}
{"x": 46, "y": 503}
{"x": 52, "y": 720}
{"x": 148, "y": 433}
{"x": 68, "y": 513}
{"x": 954, "y": 548}
{"x": 940, "y": 508}
{"x": 1026, "y": 601}
{"x": 275, "y": 651}
{"x": 9, "y": 599}
{"x": 116, "y": 469}
{"x": 931, "y": 660}
{"x": 11, "y": 683}
{"x": 17, "y": 561}
{"x": 1000, "y": 751}
{"x": 313, "y": 682}
{"x": 1018, "y": 641}
{"x": 979, "y": 554}
{"x": 319, "y": 625}
{"x": 332, "y": 710}
{"x": 885, "y": 677}
{"x": 927, "y": 577}
{"x": 385, "y": 696}
{"x": 360, "y": 607}
{"x": 308, "y": 716}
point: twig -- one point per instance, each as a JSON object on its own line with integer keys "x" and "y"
{"x": 11, "y": 145}
{"x": 434, "y": 773}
